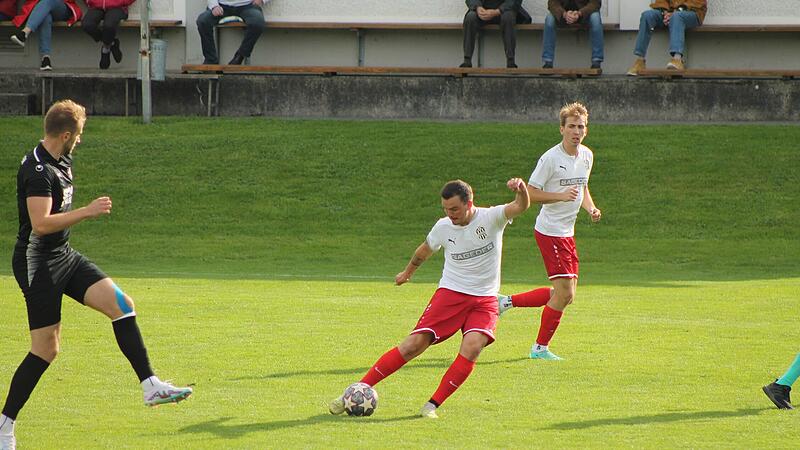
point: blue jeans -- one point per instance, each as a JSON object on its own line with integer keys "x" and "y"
{"x": 678, "y": 23}
{"x": 595, "y": 32}
{"x": 42, "y": 17}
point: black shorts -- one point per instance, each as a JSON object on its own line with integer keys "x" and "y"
{"x": 44, "y": 278}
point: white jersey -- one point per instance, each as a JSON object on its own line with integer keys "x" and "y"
{"x": 557, "y": 171}
{"x": 472, "y": 253}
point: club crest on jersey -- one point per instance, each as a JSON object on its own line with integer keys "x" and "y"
{"x": 481, "y": 232}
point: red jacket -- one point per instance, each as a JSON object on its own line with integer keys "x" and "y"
{"x": 28, "y": 6}
{"x": 109, "y": 4}
{"x": 8, "y": 7}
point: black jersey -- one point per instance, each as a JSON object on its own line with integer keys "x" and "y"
{"x": 40, "y": 175}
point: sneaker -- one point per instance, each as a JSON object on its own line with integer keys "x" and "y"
{"x": 8, "y": 441}
{"x": 105, "y": 59}
{"x": 115, "y": 51}
{"x": 638, "y": 66}
{"x": 547, "y": 65}
{"x": 160, "y": 392}
{"x": 336, "y": 406}
{"x": 779, "y": 394}
{"x": 546, "y": 355}
{"x": 675, "y": 64}
{"x": 428, "y": 411}
{"x": 19, "y": 38}
{"x": 510, "y": 64}
{"x": 503, "y": 303}
{"x": 46, "y": 64}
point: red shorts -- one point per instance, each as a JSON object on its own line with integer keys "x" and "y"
{"x": 450, "y": 311}
{"x": 559, "y": 255}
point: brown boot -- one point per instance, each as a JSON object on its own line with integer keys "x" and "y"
{"x": 637, "y": 67}
{"x": 675, "y": 64}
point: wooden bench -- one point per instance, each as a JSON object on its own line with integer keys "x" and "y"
{"x": 123, "y": 24}
{"x": 719, "y": 73}
{"x": 355, "y": 70}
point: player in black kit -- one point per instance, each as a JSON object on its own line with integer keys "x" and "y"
{"x": 46, "y": 267}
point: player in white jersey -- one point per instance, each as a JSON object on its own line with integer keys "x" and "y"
{"x": 560, "y": 182}
{"x": 472, "y": 239}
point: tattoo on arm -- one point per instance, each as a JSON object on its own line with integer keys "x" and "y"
{"x": 417, "y": 261}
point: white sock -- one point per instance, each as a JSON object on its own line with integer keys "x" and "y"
{"x": 150, "y": 382}
{"x": 6, "y": 425}
{"x": 539, "y": 348}
{"x": 677, "y": 56}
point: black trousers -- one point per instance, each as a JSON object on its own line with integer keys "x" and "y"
{"x": 507, "y": 22}
{"x": 111, "y": 19}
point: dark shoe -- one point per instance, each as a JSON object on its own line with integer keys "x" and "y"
{"x": 596, "y": 65}
{"x": 207, "y": 62}
{"x": 510, "y": 64}
{"x": 237, "y": 60}
{"x": 105, "y": 59}
{"x": 547, "y": 65}
{"x": 19, "y": 38}
{"x": 466, "y": 64}
{"x": 779, "y": 394}
{"x": 46, "y": 64}
{"x": 115, "y": 51}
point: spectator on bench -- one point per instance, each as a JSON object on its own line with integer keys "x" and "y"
{"x": 249, "y": 10}
{"x": 8, "y": 9}
{"x": 507, "y": 13}
{"x": 38, "y": 15}
{"x": 111, "y": 12}
{"x": 677, "y": 16}
{"x": 572, "y": 13}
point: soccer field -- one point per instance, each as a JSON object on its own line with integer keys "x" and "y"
{"x": 261, "y": 254}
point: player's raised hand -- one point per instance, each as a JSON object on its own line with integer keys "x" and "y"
{"x": 401, "y": 278}
{"x": 516, "y": 184}
{"x": 99, "y": 206}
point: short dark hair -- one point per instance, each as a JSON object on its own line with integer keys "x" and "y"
{"x": 459, "y": 188}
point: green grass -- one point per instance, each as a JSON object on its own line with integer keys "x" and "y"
{"x": 261, "y": 252}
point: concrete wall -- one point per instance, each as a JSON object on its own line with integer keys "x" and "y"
{"x": 73, "y": 50}
{"x": 611, "y": 99}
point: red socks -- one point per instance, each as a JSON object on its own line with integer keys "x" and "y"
{"x": 453, "y": 378}
{"x": 385, "y": 366}
{"x": 535, "y": 298}
{"x": 550, "y": 320}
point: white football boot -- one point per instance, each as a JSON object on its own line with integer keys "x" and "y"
{"x": 157, "y": 392}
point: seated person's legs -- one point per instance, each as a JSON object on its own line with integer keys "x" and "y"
{"x": 549, "y": 41}
{"x": 508, "y": 23}
{"x": 253, "y": 18}
{"x": 596, "y": 33}
{"x": 205, "y": 27}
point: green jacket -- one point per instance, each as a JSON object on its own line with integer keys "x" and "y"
{"x": 586, "y": 7}
{"x": 502, "y": 5}
{"x": 698, "y": 6}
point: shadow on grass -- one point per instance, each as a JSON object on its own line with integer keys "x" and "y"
{"x": 434, "y": 363}
{"x": 656, "y": 418}
{"x": 221, "y": 428}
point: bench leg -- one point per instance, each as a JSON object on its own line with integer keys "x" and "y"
{"x": 360, "y": 38}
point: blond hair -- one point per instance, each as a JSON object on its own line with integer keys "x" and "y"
{"x": 574, "y": 109}
{"x": 63, "y": 116}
